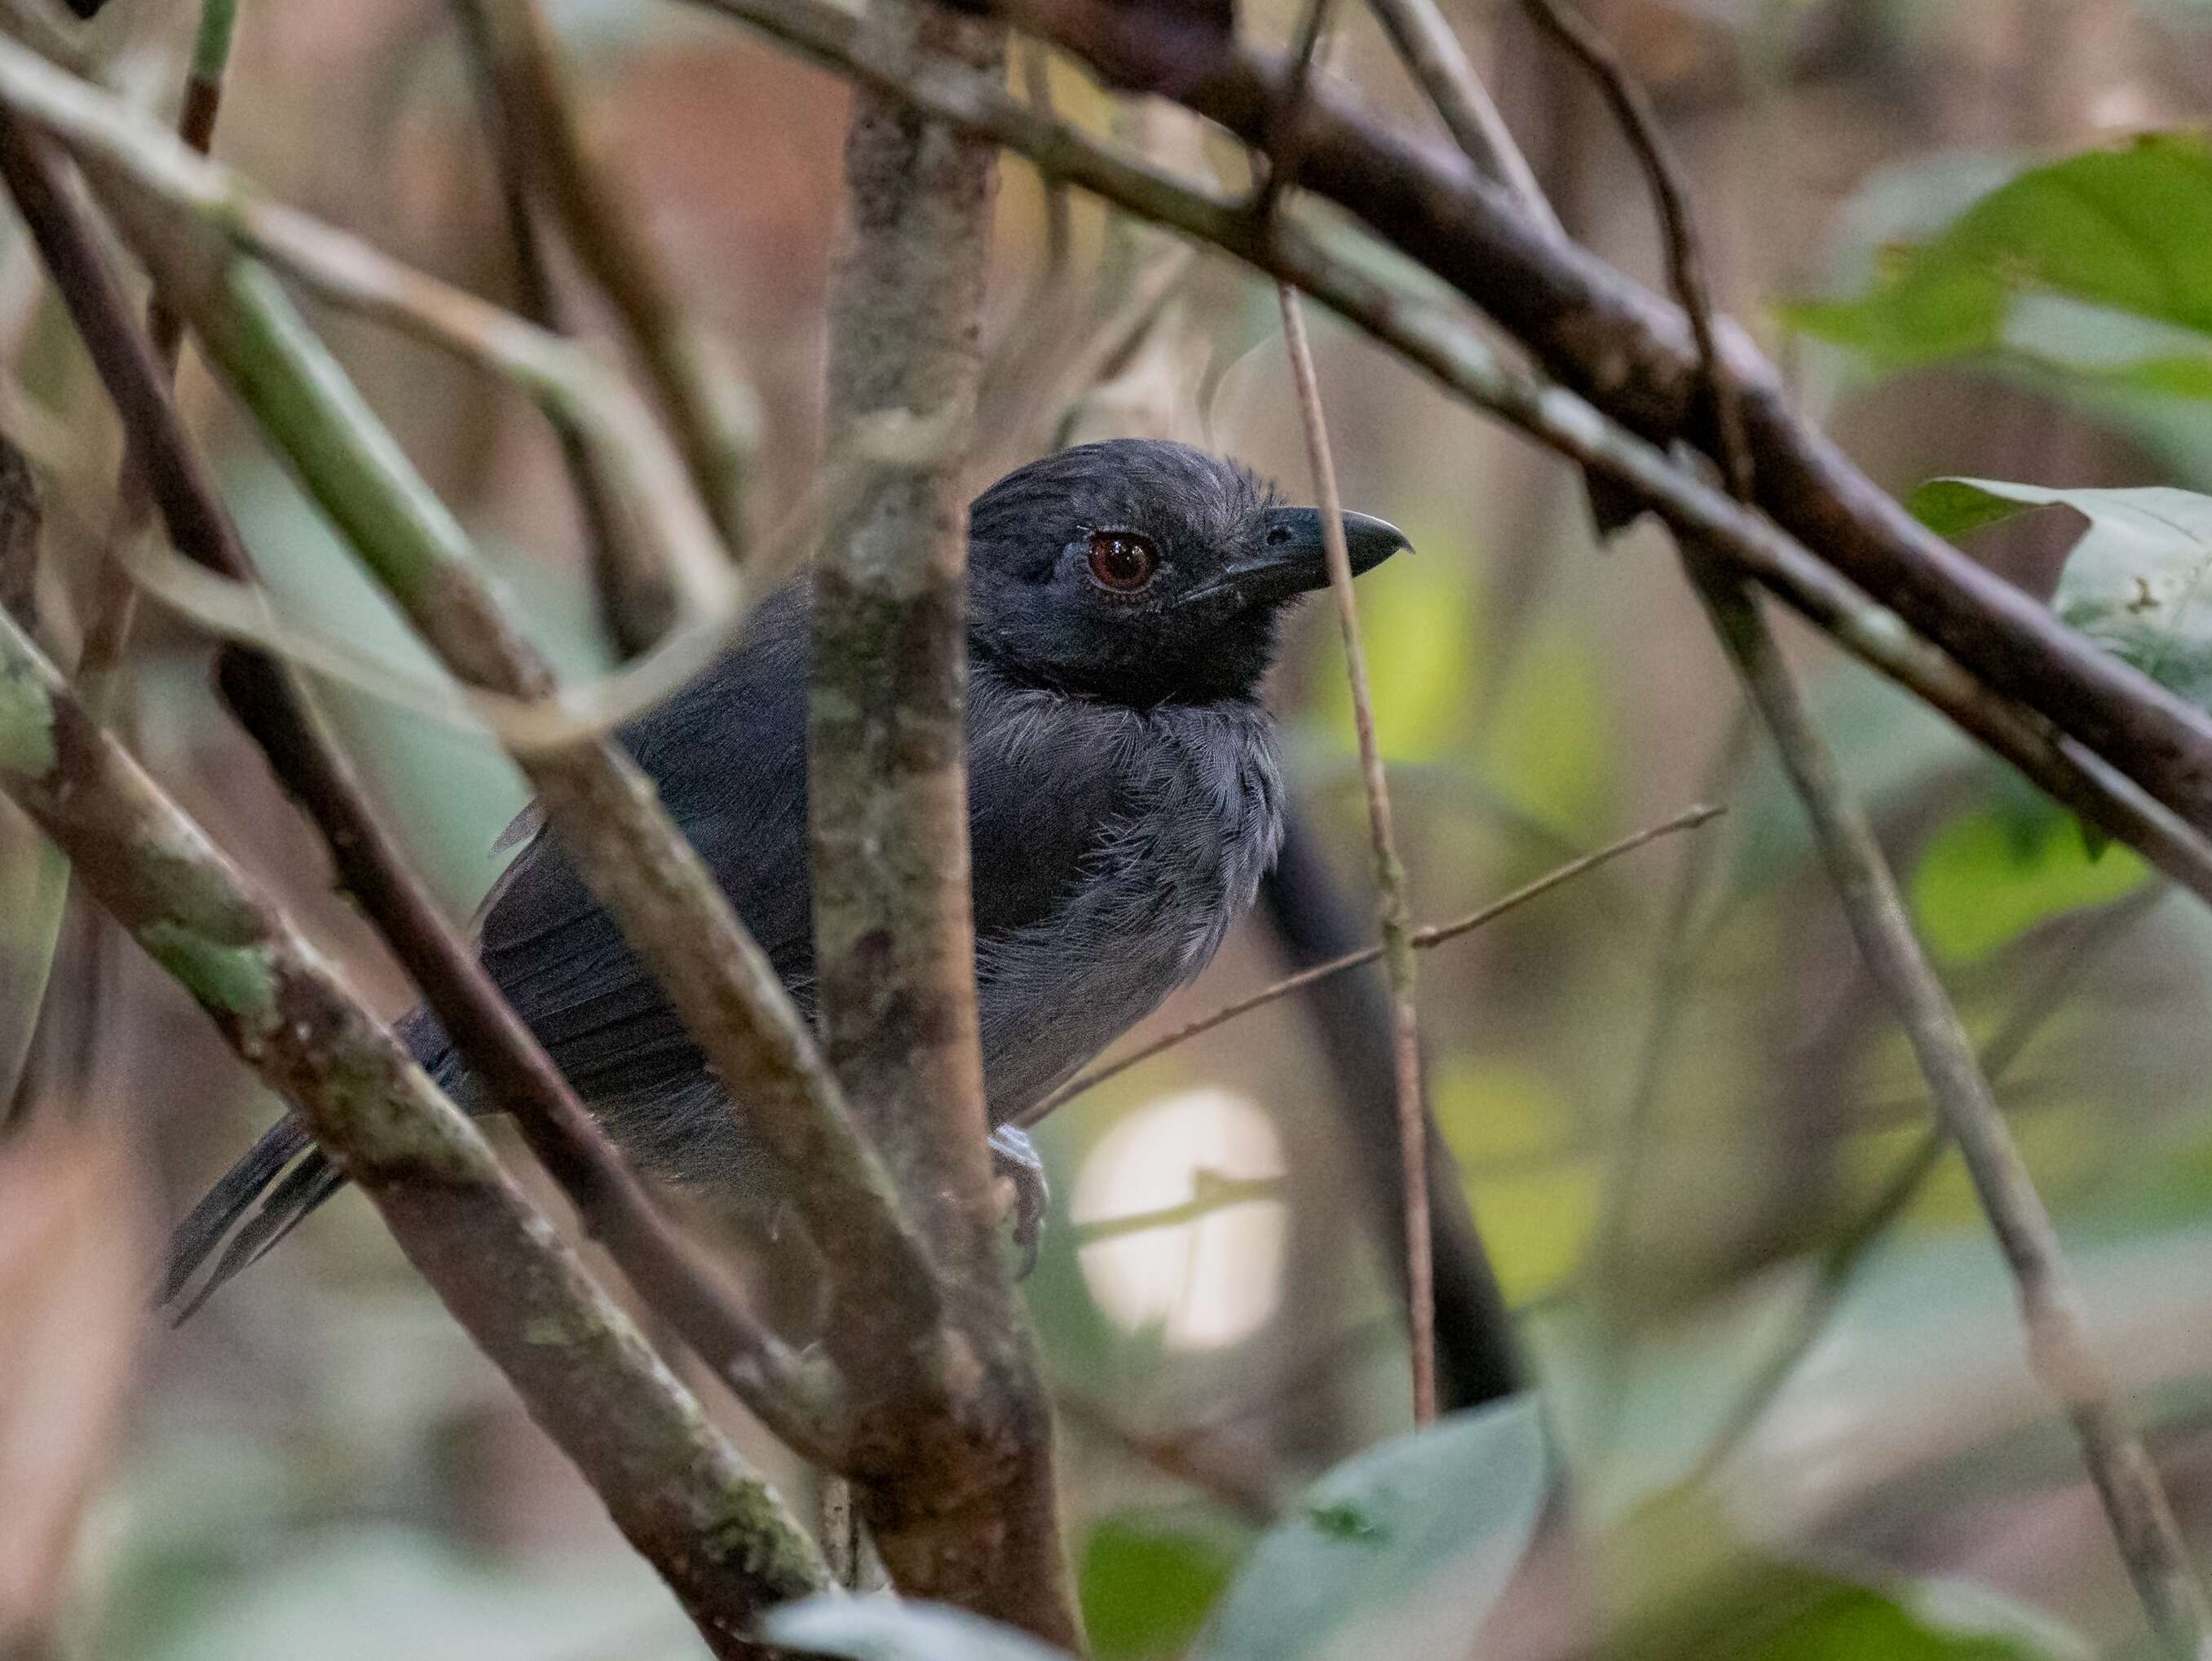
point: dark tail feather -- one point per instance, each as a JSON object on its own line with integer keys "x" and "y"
{"x": 289, "y": 1201}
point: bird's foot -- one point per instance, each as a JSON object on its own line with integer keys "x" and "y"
{"x": 1017, "y": 1162}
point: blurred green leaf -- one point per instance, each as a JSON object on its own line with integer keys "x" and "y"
{"x": 890, "y": 1629}
{"x": 1147, "y": 1585}
{"x": 1988, "y": 877}
{"x": 1399, "y": 1552}
{"x": 1767, "y": 1611}
{"x": 2122, "y": 231}
{"x": 2135, "y": 581}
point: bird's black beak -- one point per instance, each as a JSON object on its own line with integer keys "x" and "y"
{"x": 1292, "y": 560}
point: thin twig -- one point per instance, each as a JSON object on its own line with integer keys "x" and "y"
{"x": 1432, "y": 52}
{"x": 1686, "y": 265}
{"x": 1420, "y": 939}
{"x": 708, "y": 406}
{"x": 1210, "y": 1191}
{"x": 1393, "y": 912}
{"x": 1285, "y": 142}
{"x": 2061, "y": 1352}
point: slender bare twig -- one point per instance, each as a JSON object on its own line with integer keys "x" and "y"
{"x": 1393, "y": 911}
{"x": 1432, "y": 52}
{"x": 708, "y": 406}
{"x": 2060, "y": 1349}
{"x": 1210, "y": 1191}
{"x": 1686, "y": 266}
{"x": 107, "y": 633}
{"x": 1284, "y": 140}
{"x": 682, "y": 1496}
{"x": 1420, "y": 939}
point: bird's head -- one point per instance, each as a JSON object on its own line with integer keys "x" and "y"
{"x": 1143, "y": 572}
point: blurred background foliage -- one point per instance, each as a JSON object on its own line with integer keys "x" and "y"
{"x": 1669, "y": 1087}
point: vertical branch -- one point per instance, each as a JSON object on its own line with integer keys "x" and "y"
{"x": 2060, "y": 1350}
{"x": 1392, "y": 911}
{"x": 887, "y": 783}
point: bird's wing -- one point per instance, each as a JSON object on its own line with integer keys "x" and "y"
{"x": 728, "y": 756}
{"x": 1047, "y": 780}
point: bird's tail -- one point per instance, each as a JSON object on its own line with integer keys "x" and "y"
{"x": 259, "y": 1189}
{"x": 268, "y": 1199}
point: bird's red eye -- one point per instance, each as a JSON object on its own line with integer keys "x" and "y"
{"x": 1121, "y": 560}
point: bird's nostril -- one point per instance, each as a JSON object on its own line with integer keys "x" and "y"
{"x": 1278, "y": 536}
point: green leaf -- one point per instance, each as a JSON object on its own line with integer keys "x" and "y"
{"x": 1989, "y": 876}
{"x": 1399, "y": 1552}
{"x": 2139, "y": 582}
{"x": 2122, "y": 230}
{"x": 892, "y": 1629}
{"x": 1147, "y": 1586}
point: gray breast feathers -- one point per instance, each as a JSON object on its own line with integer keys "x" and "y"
{"x": 1195, "y": 822}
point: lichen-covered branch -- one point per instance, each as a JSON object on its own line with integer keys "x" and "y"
{"x": 679, "y": 1493}
{"x": 959, "y": 1491}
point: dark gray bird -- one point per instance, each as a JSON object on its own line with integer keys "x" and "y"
{"x": 1123, "y": 603}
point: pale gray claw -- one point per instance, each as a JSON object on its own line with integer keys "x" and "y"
{"x": 1016, "y": 1158}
